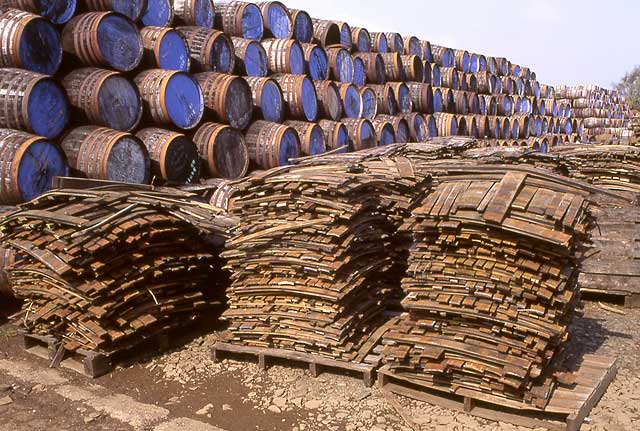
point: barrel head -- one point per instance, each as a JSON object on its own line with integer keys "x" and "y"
{"x": 279, "y": 21}
{"x": 432, "y": 127}
{"x": 402, "y": 132}
{"x": 40, "y": 47}
{"x": 239, "y": 104}
{"x": 158, "y": 13}
{"x": 203, "y": 13}
{"x": 352, "y": 102}
{"x": 231, "y": 158}
{"x": 289, "y": 147}
{"x": 438, "y": 103}
{"x": 182, "y": 163}
{"x": 309, "y": 100}
{"x": 128, "y": 162}
{"x": 296, "y": 59}
{"x": 344, "y": 67}
{"x": 359, "y": 75}
{"x": 403, "y": 97}
{"x": 222, "y": 56}
{"x": 39, "y": 164}
{"x": 363, "y": 43}
{"x": 255, "y": 60}
{"x": 119, "y": 103}
{"x": 48, "y": 109}
{"x": 368, "y": 138}
{"x": 420, "y": 131}
{"x": 57, "y": 11}
{"x": 272, "y": 102}
{"x": 387, "y": 135}
{"x": 184, "y": 101}
{"x": 302, "y": 27}
{"x": 132, "y": 9}
{"x": 119, "y": 42}
{"x": 173, "y": 52}
{"x": 316, "y": 142}
{"x": 369, "y": 104}
{"x": 318, "y": 65}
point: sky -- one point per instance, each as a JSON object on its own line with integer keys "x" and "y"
{"x": 564, "y": 41}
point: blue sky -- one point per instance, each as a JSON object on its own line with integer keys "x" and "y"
{"x": 564, "y": 42}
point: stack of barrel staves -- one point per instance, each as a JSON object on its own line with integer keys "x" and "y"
{"x": 171, "y": 91}
{"x": 605, "y": 113}
{"x": 491, "y": 285}
{"x": 104, "y": 271}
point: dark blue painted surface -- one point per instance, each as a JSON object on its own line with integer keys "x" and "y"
{"x": 420, "y": 126}
{"x": 497, "y": 130}
{"x": 204, "y": 13}
{"x": 567, "y": 126}
{"x": 387, "y": 135}
{"x": 253, "y": 24}
{"x": 119, "y": 42}
{"x": 309, "y": 100}
{"x": 158, "y": 13}
{"x": 380, "y": 73}
{"x": 296, "y": 59}
{"x": 359, "y": 75}
{"x": 474, "y": 65}
{"x": 174, "y": 52}
{"x": 132, "y": 9}
{"x": 428, "y": 54}
{"x": 368, "y": 136}
{"x": 432, "y": 127}
{"x": 404, "y": 99}
{"x": 40, "y": 47}
{"x": 318, "y": 64}
{"x": 352, "y": 103}
{"x": 303, "y": 28}
{"x": 369, "y": 105}
{"x": 48, "y": 109}
{"x": 344, "y": 64}
{"x": 454, "y": 126}
{"x": 288, "y": 147}
{"x": 544, "y": 148}
{"x": 438, "y": 103}
{"x": 392, "y": 103}
{"x": 448, "y": 58}
{"x": 272, "y": 103}
{"x": 221, "y": 54}
{"x": 41, "y": 162}
{"x": 255, "y": 60}
{"x": 538, "y": 126}
{"x": 57, "y": 11}
{"x": 415, "y": 48}
{"x": 119, "y": 103}
{"x": 516, "y": 70}
{"x": 279, "y": 21}
{"x": 437, "y": 75}
{"x": 398, "y": 45}
{"x": 383, "y": 45}
{"x": 364, "y": 41}
{"x": 316, "y": 142}
{"x": 427, "y": 72}
{"x": 343, "y": 139}
{"x": 403, "y": 132}
{"x": 474, "y": 104}
{"x": 482, "y": 105}
{"x": 515, "y": 129}
{"x": 184, "y": 101}
{"x": 345, "y": 36}
{"x": 482, "y": 63}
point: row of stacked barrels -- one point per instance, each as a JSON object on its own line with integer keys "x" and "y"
{"x": 605, "y": 113}
{"x": 228, "y": 88}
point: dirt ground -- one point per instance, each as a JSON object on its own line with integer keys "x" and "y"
{"x": 184, "y": 390}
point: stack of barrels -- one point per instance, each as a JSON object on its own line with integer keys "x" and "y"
{"x": 604, "y": 113}
{"x": 178, "y": 91}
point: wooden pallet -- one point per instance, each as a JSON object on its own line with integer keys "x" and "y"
{"x": 566, "y": 411}
{"x": 316, "y": 363}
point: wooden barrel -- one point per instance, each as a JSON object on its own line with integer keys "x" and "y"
{"x": 374, "y": 66}
{"x": 413, "y": 68}
{"x": 359, "y": 72}
{"x": 199, "y": 13}
{"x": 361, "y": 133}
{"x": 7, "y": 258}
{"x": 29, "y": 42}
{"x": 369, "y": 103}
{"x": 539, "y": 144}
{"x": 427, "y": 54}
{"x": 492, "y": 65}
{"x": 326, "y": 33}
{"x": 228, "y": 98}
{"x": 448, "y": 100}
{"x": 482, "y": 104}
{"x": 495, "y": 127}
{"x": 56, "y": 11}
{"x": 351, "y": 100}
{"x": 302, "y": 26}
{"x": 385, "y": 134}
{"x": 336, "y": 135}
{"x": 345, "y": 35}
{"x": 432, "y": 126}
{"x": 400, "y": 126}
{"x": 474, "y": 102}
{"x": 421, "y": 97}
{"x": 447, "y": 124}
{"x": 132, "y": 9}
{"x": 285, "y": 56}
{"x": 329, "y": 100}
{"x": 506, "y": 106}
{"x": 436, "y": 75}
{"x": 403, "y": 96}
{"x": 250, "y": 58}
{"x": 311, "y": 136}
{"x": 174, "y": 157}
{"x": 515, "y": 128}
{"x": 28, "y": 164}
{"x": 461, "y": 102}
{"x": 223, "y": 152}
{"x": 103, "y": 39}
{"x": 105, "y": 154}
{"x": 271, "y": 144}
{"x": 438, "y": 100}
{"x": 386, "y": 97}
{"x": 277, "y": 20}
{"x": 462, "y": 81}
{"x": 474, "y": 63}
{"x": 502, "y": 66}
{"x": 32, "y": 102}
{"x": 104, "y": 98}
{"x": 428, "y": 72}
{"x": 268, "y": 102}
{"x": 483, "y": 126}
{"x": 379, "y": 43}
{"x": 444, "y": 57}
{"x": 158, "y": 13}
{"x": 484, "y": 83}
{"x": 210, "y": 50}
{"x": 239, "y": 19}
{"x": 165, "y": 48}
{"x": 412, "y": 46}
{"x": 482, "y": 63}
{"x": 171, "y": 97}
{"x": 463, "y": 127}
{"x": 508, "y": 85}
{"x": 316, "y": 61}
{"x": 470, "y": 126}
{"x": 361, "y": 39}
{"x": 395, "y": 43}
{"x": 471, "y": 82}
{"x": 418, "y": 127}
{"x": 300, "y": 98}
{"x": 340, "y": 65}
{"x": 393, "y": 68}
{"x": 450, "y": 78}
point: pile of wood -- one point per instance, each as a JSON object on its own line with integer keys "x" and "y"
{"x": 491, "y": 285}
{"x": 106, "y": 270}
{"x": 312, "y": 259}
